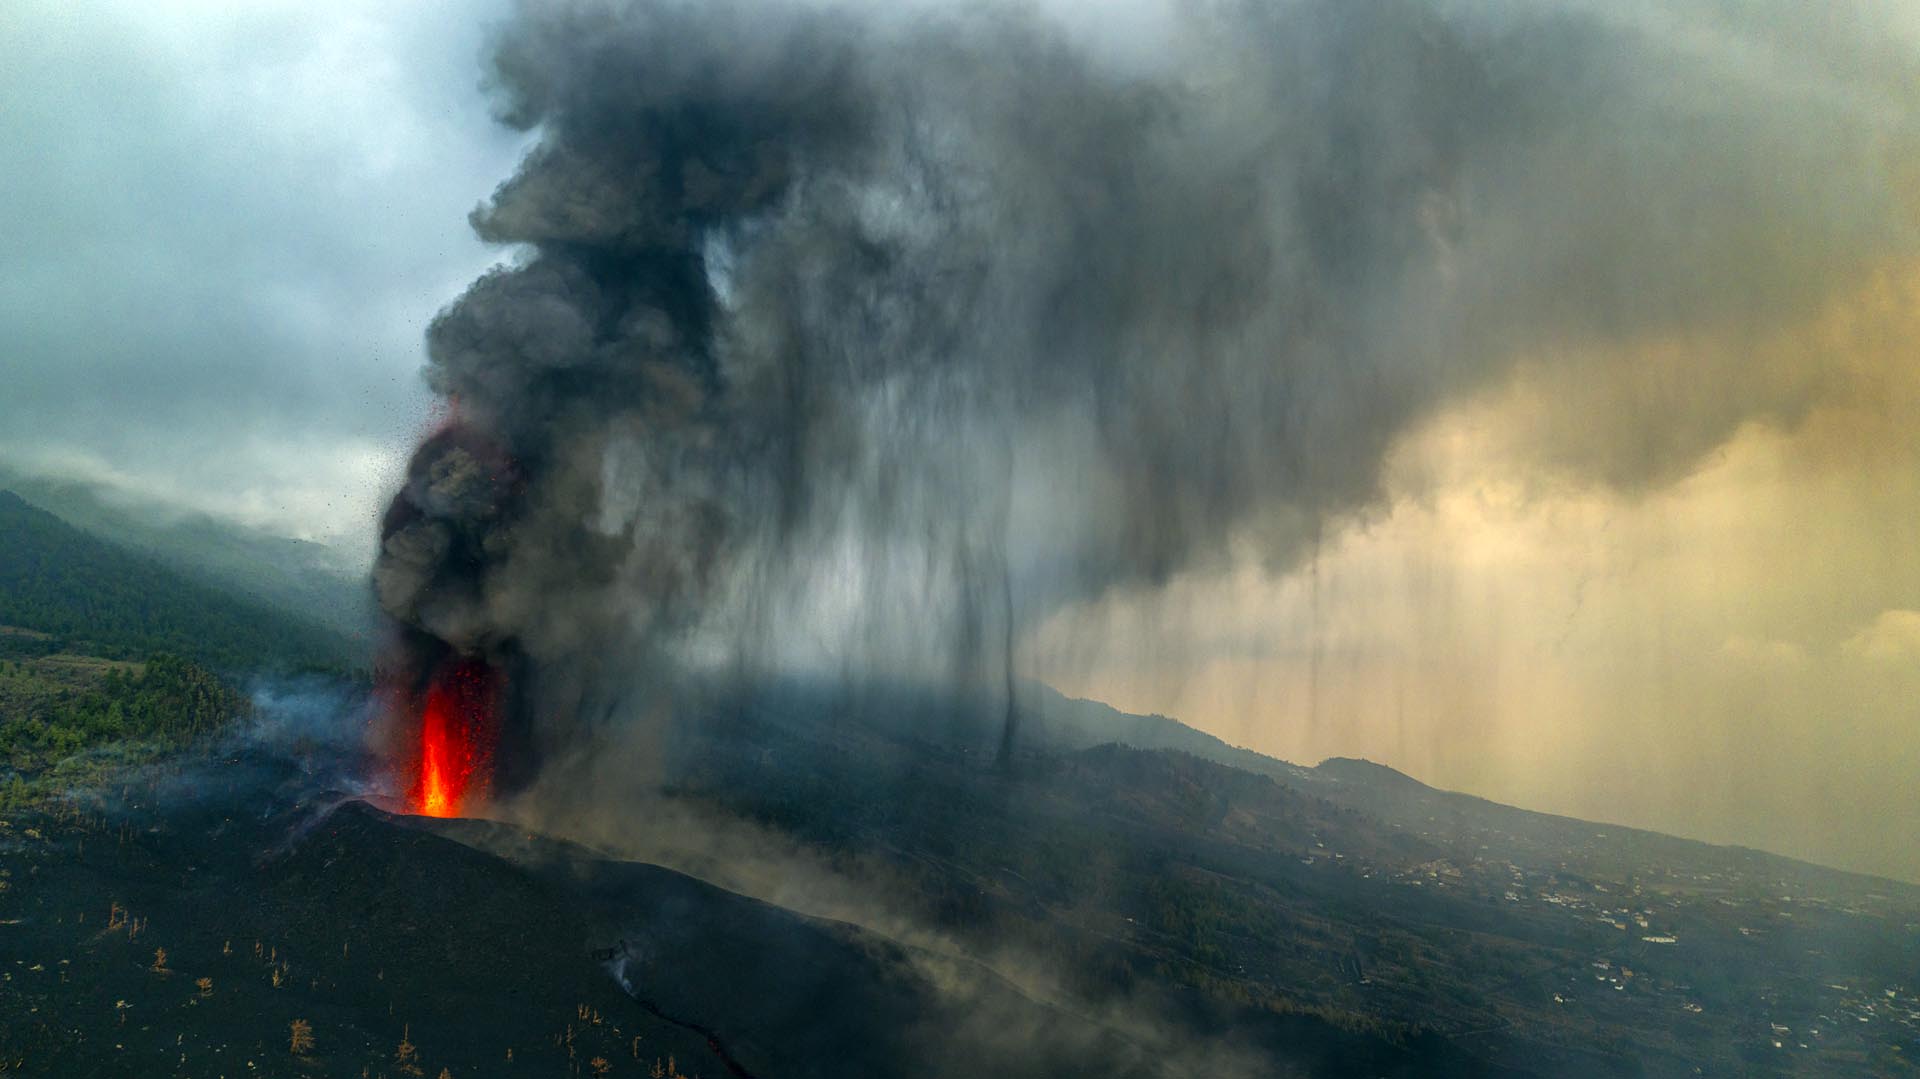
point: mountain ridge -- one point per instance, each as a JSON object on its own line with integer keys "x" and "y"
{"x": 71, "y": 586}
{"x": 1070, "y": 716}
{"x": 298, "y": 575}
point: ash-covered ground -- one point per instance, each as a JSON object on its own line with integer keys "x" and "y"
{"x": 187, "y": 921}
{"x": 827, "y": 886}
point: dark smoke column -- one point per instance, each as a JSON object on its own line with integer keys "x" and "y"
{"x": 570, "y": 508}
{"x": 893, "y": 329}
{"x": 800, "y": 288}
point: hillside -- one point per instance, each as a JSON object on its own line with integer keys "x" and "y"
{"x": 1404, "y": 802}
{"x": 1103, "y": 910}
{"x": 289, "y": 574}
{"x": 1075, "y": 723}
{"x": 96, "y": 597}
{"x": 66, "y": 720}
{"x": 1348, "y": 892}
{"x": 172, "y": 935}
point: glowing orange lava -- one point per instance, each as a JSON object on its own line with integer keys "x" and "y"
{"x": 433, "y": 797}
{"x": 458, "y": 727}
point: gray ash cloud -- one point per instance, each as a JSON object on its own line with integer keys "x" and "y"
{"x": 898, "y": 327}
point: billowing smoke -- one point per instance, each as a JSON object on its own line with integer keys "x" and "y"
{"x": 869, "y": 335}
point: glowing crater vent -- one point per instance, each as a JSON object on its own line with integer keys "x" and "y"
{"x": 459, "y": 727}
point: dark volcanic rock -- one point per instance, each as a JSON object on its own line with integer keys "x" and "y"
{"x": 781, "y": 994}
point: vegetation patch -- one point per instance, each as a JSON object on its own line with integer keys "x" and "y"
{"x": 68, "y": 720}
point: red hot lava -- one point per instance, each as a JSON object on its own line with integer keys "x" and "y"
{"x": 451, "y": 759}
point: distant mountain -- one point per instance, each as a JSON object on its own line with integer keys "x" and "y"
{"x": 296, "y": 575}
{"x": 1072, "y": 723}
{"x": 1361, "y": 770}
{"x": 1349, "y": 893}
{"x": 1465, "y": 821}
{"x": 101, "y": 598}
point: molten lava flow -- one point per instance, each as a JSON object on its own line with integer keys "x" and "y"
{"x": 459, "y": 725}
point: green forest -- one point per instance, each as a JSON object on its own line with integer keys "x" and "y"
{"x": 82, "y": 594}
{"x": 110, "y": 657}
{"x": 64, "y": 716}
{"x": 58, "y": 705}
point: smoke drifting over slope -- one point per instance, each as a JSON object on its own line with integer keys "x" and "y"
{"x": 839, "y": 333}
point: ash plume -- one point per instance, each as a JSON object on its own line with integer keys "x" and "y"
{"x": 840, "y": 331}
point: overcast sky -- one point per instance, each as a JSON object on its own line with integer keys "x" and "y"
{"x": 226, "y": 228}
{"x": 223, "y": 231}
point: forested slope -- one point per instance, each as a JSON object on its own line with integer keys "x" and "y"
{"x": 95, "y": 597}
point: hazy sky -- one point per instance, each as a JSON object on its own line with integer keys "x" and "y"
{"x": 226, "y": 227}
{"x": 1684, "y": 595}
{"x": 1733, "y": 654}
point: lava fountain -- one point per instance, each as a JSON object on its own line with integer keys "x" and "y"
{"x": 451, "y": 764}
